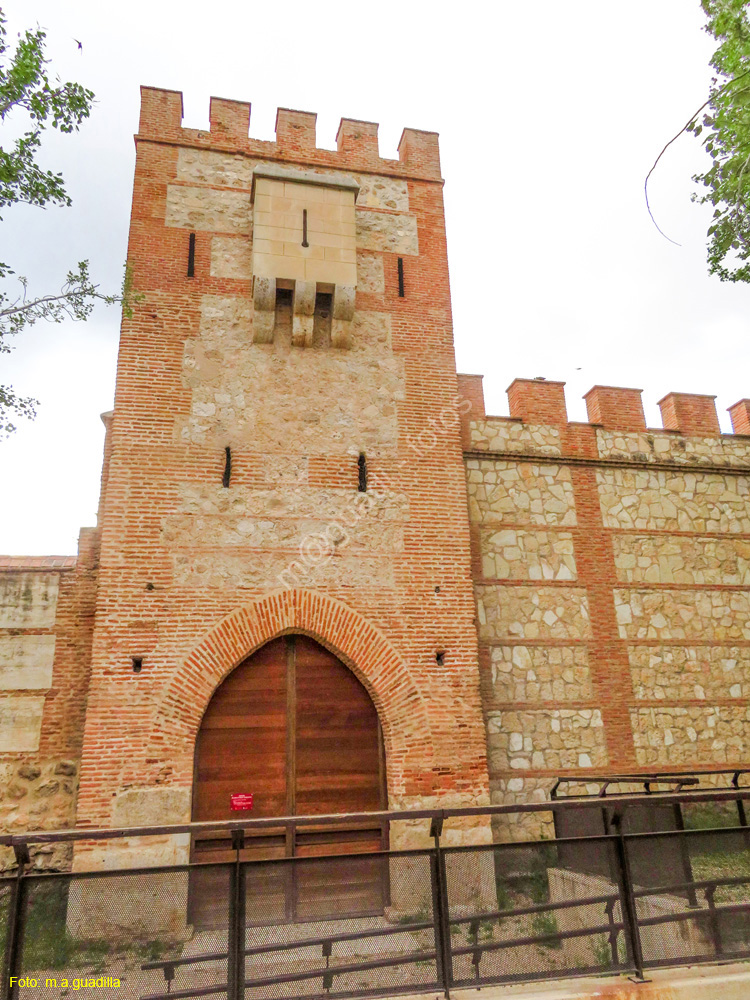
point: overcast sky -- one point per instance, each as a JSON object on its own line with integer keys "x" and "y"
{"x": 550, "y": 115}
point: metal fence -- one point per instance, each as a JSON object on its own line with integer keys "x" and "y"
{"x": 391, "y": 922}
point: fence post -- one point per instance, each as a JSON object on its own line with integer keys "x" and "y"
{"x": 609, "y": 909}
{"x": 713, "y": 920}
{"x": 236, "y": 936}
{"x": 627, "y": 901}
{"x": 14, "y": 946}
{"x": 741, "y": 814}
{"x": 440, "y": 907}
{"x": 687, "y": 866}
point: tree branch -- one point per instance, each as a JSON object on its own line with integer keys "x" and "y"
{"x": 674, "y": 138}
{"x": 64, "y": 298}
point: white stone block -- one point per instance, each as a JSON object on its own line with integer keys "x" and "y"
{"x": 20, "y": 723}
{"x": 28, "y": 600}
{"x": 26, "y": 662}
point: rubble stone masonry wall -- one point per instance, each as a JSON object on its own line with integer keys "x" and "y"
{"x": 612, "y": 582}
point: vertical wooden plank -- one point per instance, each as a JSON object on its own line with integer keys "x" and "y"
{"x": 337, "y": 747}
{"x": 383, "y": 779}
{"x": 291, "y": 725}
{"x": 290, "y": 872}
{"x": 241, "y": 747}
{"x": 338, "y": 769}
{"x": 242, "y": 740}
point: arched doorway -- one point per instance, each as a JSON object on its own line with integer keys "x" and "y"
{"x": 293, "y": 726}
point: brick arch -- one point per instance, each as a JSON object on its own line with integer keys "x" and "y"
{"x": 338, "y": 627}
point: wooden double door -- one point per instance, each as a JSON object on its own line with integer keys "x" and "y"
{"x": 294, "y": 727}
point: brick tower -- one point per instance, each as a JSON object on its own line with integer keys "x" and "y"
{"x": 284, "y": 457}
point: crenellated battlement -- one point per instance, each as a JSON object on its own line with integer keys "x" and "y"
{"x": 616, "y": 408}
{"x": 357, "y": 141}
{"x": 740, "y": 416}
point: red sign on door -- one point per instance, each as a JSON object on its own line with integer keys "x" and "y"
{"x": 240, "y": 802}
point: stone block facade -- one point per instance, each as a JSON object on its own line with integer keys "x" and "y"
{"x": 291, "y": 450}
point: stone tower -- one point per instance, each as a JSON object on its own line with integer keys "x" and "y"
{"x": 284, "y": 456}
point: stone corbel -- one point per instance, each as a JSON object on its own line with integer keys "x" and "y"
{"x": 264, "y": 301}
{"x": 343, "y": 314}
{"x": 303, "y": 313}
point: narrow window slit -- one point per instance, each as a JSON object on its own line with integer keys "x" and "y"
{"x": 304, "y": 228}
{"x": 191, "y": 257}
{"x": 137, "y": 662}
{"x": 227, "y": 467}
{"x": 401, "y": 292}
{"x": 440, "y": 657}
{"x": 362, "y": 466}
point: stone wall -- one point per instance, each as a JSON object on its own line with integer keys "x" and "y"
{"x": 612, "y": 582}
{"x": 519, "y": 493}
{"x": 28, "y": 604}
{"x": 681, "y": 449}
{"x": 540, "y": 673}
{"x": 711, "y": 615}
{"x": 679, "y": 673}
{"x": 513, "y": 791}
{"x": 39, "y": 796}
{"x": 511, "y": 554}
{"x": 555, "y": 739}
{"x": 648, "y": 500}
{"x": 690, "y": 737}
{"x": 538, "y": 613}
{"x": 495, "y": 434}
{"x": 46, "y": 609}
{"x": 318, "y": 395}
{"x": 314, "y": 406}
{"x": 680, "y": 560}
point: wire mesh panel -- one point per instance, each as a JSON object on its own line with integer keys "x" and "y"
{"x": 698, "y": 907}
{"x": 582, "y": 823}
{"x": 663, "y": 853}
{"x": 96, "y": 929}
{"x": 339, "y": 926}
{"x": 6, "y": 899}
{"x": 517, "y": 911}
{"x": 636, "y": 817}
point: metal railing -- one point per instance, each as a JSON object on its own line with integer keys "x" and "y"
{"x": 396, "y": 921}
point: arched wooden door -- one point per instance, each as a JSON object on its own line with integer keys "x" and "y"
{"x": 293, "y": 726}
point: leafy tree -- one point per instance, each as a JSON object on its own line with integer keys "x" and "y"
{"x": 25, "y": 88}
{"x": 727, "y": 126}
{"x": 724, "y": 122}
